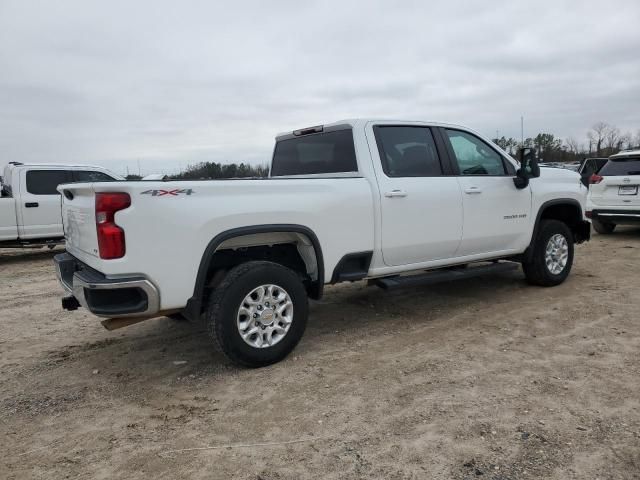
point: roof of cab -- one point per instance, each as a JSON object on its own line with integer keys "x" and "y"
{"x": 361, "y": 122}
{"x": 13, "y": 166}
{"x": 16, "y": 165}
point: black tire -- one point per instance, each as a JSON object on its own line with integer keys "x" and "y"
{"x": 603, "y": 228}
{"x": 226, "y": 299}
{"x": 536, "y": 270}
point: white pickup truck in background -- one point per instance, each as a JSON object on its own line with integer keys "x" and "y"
{"x": 30, "y": 203}
{"x": 395, "y": 203}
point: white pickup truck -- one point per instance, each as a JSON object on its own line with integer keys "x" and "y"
{"x": 30, "y": 203}
{"x": 395, "y": 203}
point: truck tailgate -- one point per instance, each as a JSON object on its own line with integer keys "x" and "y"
{"x": 79, "y": 218}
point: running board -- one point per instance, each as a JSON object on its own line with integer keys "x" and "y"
{"x": 444, "y": 275}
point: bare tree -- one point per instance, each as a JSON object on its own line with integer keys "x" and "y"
{"x": 625, "y": 142}
{"x": 572, "y": 145}
{"x": 597, "y": 136}
{"x": 612, "y": 139}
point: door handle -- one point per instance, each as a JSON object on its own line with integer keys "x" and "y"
{"x": 395, "y": 193}
{"x": 31, "y": 204}
{"x": 472, "y": 190}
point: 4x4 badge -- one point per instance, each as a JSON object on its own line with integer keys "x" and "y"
{"x": 172, "y": 193}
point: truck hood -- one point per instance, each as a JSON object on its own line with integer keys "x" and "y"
{"x": 554, "y": 173}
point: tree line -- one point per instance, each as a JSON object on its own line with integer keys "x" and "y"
{"x": 213, "y": 170}
{"x": 209, "y": 170}
{"x": 602, "y": 140}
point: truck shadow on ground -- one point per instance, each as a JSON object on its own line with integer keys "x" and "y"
{"x": 621, "y": 232}
{"x": 12, "y": 256}
{"x": 165, "y": 348}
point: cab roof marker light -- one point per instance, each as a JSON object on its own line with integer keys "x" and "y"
{"x": 308, "y": 131}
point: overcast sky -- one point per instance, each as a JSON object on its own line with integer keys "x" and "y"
{"x": 173, "y": 83}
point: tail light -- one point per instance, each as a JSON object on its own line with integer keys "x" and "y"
{"x": 588, "y": 214}
{"x": 595, "y": 178}
{"x": 111, "y": 242}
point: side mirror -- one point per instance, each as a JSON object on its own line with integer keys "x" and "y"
{"x": 529, "y": 167}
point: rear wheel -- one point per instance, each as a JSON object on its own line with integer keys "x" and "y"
{"x": 258, "y": 313}
{"x": 552, "y": 256}
{"x": 602, "y": 227}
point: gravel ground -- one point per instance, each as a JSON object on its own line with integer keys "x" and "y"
{"x": 483, "y": 378}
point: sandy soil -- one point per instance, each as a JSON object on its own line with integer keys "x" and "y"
{"x": 485, "y": 378}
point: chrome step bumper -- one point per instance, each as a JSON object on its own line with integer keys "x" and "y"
{"x": 103, "y": 296}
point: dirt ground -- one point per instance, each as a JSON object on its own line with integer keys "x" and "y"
{"x": 484, "y": 378}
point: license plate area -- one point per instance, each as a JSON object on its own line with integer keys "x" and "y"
{"x": 628, "y": 190}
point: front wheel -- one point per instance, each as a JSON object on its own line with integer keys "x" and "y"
{"x": 258, "y": 313}
{"x": 552, "y": 256}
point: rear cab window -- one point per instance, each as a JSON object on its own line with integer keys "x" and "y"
{"x": 327, "y": 152}
{"x": 45, "y": 182}
{"x": 621, "y": 167}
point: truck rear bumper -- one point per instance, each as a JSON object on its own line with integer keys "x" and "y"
{"x": 102, "y": 296}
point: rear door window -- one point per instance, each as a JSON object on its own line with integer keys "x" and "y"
{"x": 620, "y": 167}
{"x": 407, "y": 151}
{"x": 45, "y": 182}
{"x": 330, "y": 152}
{"x": 91, "y": 176}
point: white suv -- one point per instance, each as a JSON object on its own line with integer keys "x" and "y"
{"x": 613, "y": 193}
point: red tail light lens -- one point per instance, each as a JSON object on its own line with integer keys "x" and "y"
{"x": 595, "y": 178}
{"x": 111, "y": 242}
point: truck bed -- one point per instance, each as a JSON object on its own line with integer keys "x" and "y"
{"x": 169, "y": 224}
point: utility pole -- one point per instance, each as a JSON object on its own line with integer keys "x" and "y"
{"x": 138, "y": 160}
{"x": 522, "y": 131}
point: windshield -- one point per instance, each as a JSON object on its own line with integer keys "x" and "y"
{"x": 622, "y": 166}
